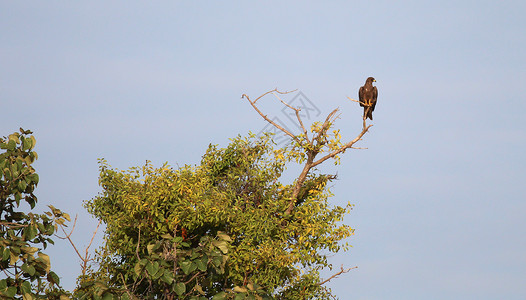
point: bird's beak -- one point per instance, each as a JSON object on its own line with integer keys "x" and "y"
{"x": 374, "y": 80}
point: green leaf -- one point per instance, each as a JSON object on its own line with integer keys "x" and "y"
{"x": 28, "y": 269}
{"x": 166, "y": 236}
{"x": 185, "y": 266}
{"x": 201, "y": 263}
{"x": 217, "y": 261}
{"x": 107, "y": 296}
{"x": 180, "y": 288}
{"x": 152, "y": 268}
{"x": 26, "y": 144}
{"x": 167, "y": 277}
{"x": 10, "y": 292}
{"x": 34, "y": 177}
{"x": 220, "y": 296}
{"x": 138, "y": 269}
{"x": 25, "y": 287}
{"x": 222, "y": 245}
{"x": 7, "y": 254}
{"x": 150, "y": 248}
{"x": 240, "y": 296}
{"x": 22, "y": 185}
{"x": 53, "y": 278}
{"x": 30, "y": 232}
{"x": 33, "y": 142}
{"x": 158, "y": 274}
{"x": 11, "y": 145}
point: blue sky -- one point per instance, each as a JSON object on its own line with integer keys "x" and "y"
{"x": 440, "y": 191}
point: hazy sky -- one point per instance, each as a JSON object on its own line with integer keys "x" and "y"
{"x": 440, "y": 191}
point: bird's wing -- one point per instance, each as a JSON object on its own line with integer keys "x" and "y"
{"x": 360, "y": 95}
{"x": 375, "y": 96}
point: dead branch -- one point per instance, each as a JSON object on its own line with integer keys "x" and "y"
{"x": 253, "y": 103}
{"x": 354, "y": 100}
{"x": 297, "y": 112}
{"x": 86, "y": 258}
{"x": 312, "y": 146}
{"x": 336, "y": 275}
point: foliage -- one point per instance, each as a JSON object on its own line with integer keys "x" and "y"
{"x": 26, "y": 270}
{"x": 217, "y": 230}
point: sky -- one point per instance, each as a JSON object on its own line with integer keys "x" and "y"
{"x": 438, "y": 193}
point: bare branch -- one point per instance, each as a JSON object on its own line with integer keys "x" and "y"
{"x": 297, "y": 112}
{"x": 336, "y": 275}
{"x": 70, "y": 233}
{"x": 285, "y": 103}
{"x": 90, "y": 242}
{"x": 138, "y": 242}
{"x": 253, "y": 103}
{"x": 12, "y": 224}
{"x": 311, "y": 147}
{"x": 86, "y": 258}
{"x": 68, "y": 236}
{"x": 354, "y": 100}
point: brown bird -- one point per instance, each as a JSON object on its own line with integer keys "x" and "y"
{"x": 367, "y": 95}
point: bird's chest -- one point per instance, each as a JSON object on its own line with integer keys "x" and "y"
{"x": 368, "y": 92}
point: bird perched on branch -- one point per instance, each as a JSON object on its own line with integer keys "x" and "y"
{"x": 367, "y": 95}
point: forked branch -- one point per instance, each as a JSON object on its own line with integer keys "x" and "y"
{"x": 86, "y": 258}
{"x": 313, "y": 146}
{"x": 253, "y": 103}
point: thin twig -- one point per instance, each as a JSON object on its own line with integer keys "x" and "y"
{"x": 354, "y": 100}
{"x": 297, "y": 112}
{"x": 126, "y": 287}
{"x": 86, "y": 258}
{"x": 70, "y": 233}
{"x": 12, "y": 225}
{"x": 253, "y": 103}
{"x": 138, "y": 242}
{"x": 285, "y": 103}
{"x": 336, "y": 275}
{"x": 68, "y": 237}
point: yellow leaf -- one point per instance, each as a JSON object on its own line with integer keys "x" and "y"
{"x": 239, "y": 289}
{"x": 66, "y": 216}
{"x": 46, "y": 260}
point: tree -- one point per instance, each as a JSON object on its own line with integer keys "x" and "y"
{"x": 227, "y": 228}
{"x": 26, "y": 270}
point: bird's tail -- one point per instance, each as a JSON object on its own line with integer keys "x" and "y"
{"x": 368, "y": 113}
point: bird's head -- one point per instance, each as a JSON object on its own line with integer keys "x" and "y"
{"x": 370, "y": 80}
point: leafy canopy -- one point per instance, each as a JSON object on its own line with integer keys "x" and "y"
{"x": 25, "y": 269}
{"x": 217, "y": 230}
